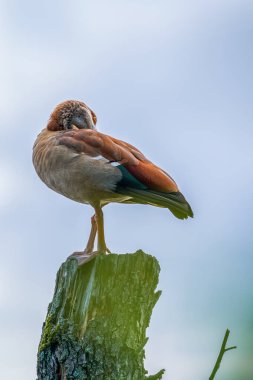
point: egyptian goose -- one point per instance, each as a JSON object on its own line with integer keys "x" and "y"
{"x": 72, "y": 158}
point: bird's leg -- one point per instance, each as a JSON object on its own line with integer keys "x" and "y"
{"x": 93, "y": 233}
{"x": 101, "y": 246}
{"x": 88, "y": 254}
{"x": 97, "y": 226}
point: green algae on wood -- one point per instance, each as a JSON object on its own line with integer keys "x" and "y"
{"x": 96, "y": 323}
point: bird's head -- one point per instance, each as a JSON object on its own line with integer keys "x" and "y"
{"x": 71, "y": 114}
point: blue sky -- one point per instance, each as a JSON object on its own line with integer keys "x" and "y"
{"x": 175, "y": 79}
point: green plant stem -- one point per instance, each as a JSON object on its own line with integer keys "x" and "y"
{"x": 223, "y": 349}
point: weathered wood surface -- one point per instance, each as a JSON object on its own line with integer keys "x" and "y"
{"x": 96, "y": 323}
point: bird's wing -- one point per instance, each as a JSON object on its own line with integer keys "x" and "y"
{"x": 119, "y": 152}
{"x": 142, "y": 180}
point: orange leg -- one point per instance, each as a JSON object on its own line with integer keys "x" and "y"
{"x": 88, "y": 254}
{"x": 97, "y": 227}
{"x": 101, "y": 246}
{"x": 92, "y": 237}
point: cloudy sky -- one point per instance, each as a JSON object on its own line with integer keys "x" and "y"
{"x": 175, "y": 79}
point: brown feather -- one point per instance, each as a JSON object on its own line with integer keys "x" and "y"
{"x": 95, "y": 143}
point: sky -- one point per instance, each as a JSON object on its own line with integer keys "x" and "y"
{"x": 174, "y": 78}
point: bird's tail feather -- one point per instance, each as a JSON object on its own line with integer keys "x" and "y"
{"x": 174, "y": 201}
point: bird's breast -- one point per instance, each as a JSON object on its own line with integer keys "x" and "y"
{"x": 74, "y": 175}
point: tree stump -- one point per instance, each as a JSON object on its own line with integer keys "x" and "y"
{"x": 96, "y": 323}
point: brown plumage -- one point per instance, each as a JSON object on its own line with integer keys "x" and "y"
{"x": 95, "y": 143}
{"x": 74, "y": 159}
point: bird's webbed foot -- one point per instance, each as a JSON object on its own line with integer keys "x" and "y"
{"x": 102, "y": 251}
{"x": 83, "y": 257}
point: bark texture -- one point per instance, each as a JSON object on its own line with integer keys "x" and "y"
{"x": 96, "y": 323}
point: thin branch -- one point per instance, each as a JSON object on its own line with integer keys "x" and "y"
{"x": 223, "y": 349}
{"x": 230, "y": 348}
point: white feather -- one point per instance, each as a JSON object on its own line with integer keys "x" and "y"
{"x": 114, "y": 163}
{"x": 98, "y": 158}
